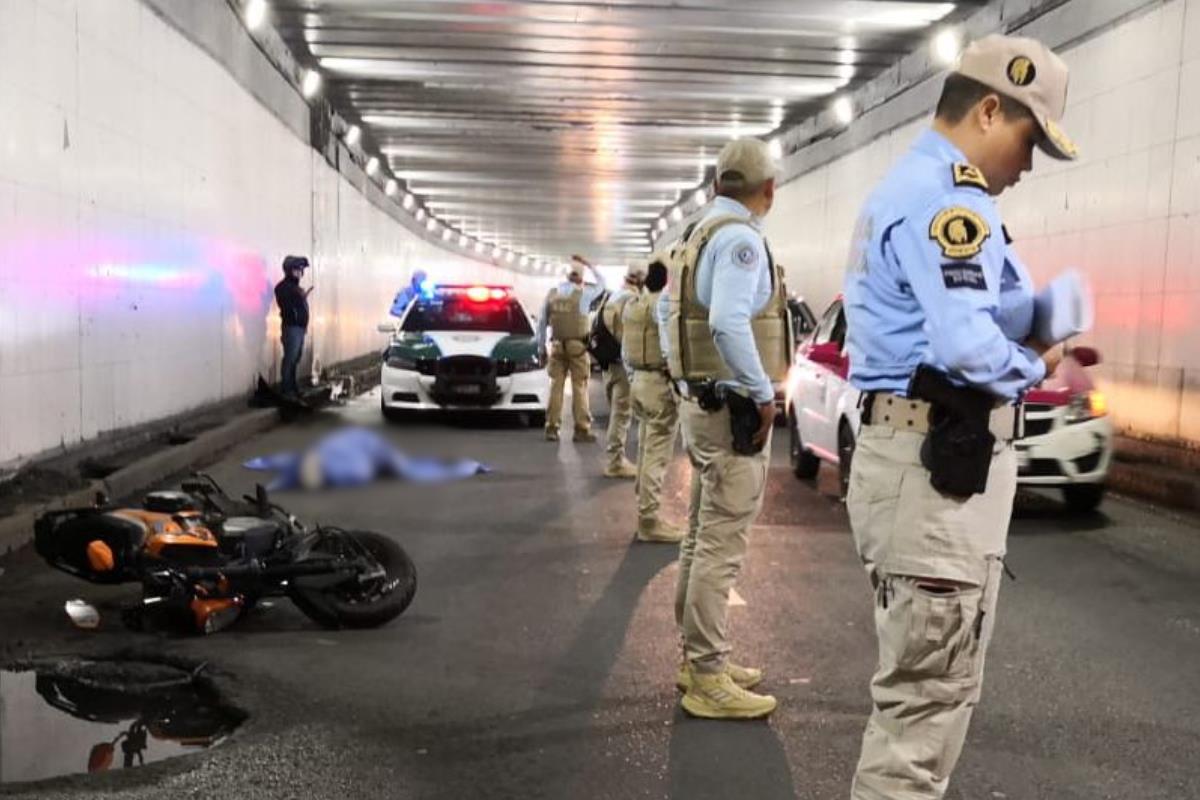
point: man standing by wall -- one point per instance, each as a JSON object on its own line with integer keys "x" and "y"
{"x": 293, "y": 315}
{"x": 727, "y": 340}
{"x": 654, "y": 405}
{"x": 566, "y": 312}
{"x": 939, "y": 340}
{"x": 616, "y": 378}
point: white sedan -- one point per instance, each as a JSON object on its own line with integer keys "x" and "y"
{"x": 464, "y": 348}
{"x": 1067, "y": 441}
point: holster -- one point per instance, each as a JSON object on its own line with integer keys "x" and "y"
{"x": 958, "y": 448}
{"x": 743, "y": 422}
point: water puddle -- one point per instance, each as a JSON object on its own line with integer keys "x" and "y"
{"x": 71, "y": 717}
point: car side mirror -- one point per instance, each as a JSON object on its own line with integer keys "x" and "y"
{"x": 386, "y": 327}
{"x": 1086, "y": 356}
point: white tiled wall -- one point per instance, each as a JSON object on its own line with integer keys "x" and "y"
{"x": 1127, "y": 213}
{"x": 146, "y": 201}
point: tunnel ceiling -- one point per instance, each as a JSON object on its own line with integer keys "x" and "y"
{"x": 550, "y": 127}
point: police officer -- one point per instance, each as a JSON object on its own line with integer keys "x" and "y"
{"x": 616, "y": 377}
{"x": 939, "y": 319}
{"x": 728, "y": 338}
{"x": 566, "y": 312}
{"x": 654, "y": 404}
{"x": 293, "y": 316}
{"x": 411, "y": 292}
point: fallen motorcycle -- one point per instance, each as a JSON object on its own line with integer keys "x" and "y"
{"x": 204, "y": 559}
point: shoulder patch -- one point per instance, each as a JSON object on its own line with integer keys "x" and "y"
{"x": 969, "y": 175}
{"x": 963, "y": 275}
{"x": 960, "y": 232}
{"x": 745, "y": 255}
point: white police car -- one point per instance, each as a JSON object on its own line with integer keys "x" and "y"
{"x": 1067, "y": 442}
{"x": 466, "y": 348}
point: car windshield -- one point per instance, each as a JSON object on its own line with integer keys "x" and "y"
{"x": 457, "y": 312}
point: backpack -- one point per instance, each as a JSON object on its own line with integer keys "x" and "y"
{"x": 602, "y": 344}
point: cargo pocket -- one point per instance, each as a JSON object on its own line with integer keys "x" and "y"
{"x": 875, "y": 482}
{"x": 929, "y": 639}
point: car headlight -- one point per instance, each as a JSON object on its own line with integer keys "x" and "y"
{"x": 527, "y": 364}
{"x": 1089, "y": 405}
{"x": 401, "y": 362}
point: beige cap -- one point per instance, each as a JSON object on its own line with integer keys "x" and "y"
{"x": 1028, "y": 72}
{"x": 745, "y": 162}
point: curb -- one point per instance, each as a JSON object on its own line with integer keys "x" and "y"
{"x": 1156, "y": 484}
{"x": 16, "y": 530}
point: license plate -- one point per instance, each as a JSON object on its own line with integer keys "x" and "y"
{"x": 468, "y": 388}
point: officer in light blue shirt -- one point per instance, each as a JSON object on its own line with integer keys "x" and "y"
{"x": 934, "y": 289}
{"x": 590, "y": 293}
{"x": 409, "y": 293}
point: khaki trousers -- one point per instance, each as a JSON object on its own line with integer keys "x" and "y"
{"x": 569, "y": 358}
{"x": 933, "y": 637}
{"x": 727, "y": 494}
{"x": 620, "y": 413}
{"x": 657, "y": 410}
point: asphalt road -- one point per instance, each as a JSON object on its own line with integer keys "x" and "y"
{"x": 538, "y": 657}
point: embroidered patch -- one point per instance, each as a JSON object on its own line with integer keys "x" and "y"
{"x": 963, "y": 276}
{"x": 969, "y": 175}
{"x": 960, "y": 232}
{"x": 745, "y": 256}
{"x": 1021, "y": 71}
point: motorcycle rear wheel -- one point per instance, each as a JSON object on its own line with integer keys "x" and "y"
{"x": 350, "y": 605}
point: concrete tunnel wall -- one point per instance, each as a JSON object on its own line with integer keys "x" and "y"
{"x": 1125, "y": 214}
{"x": 146, "y": 201}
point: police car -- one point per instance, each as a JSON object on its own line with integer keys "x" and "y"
{"x": 467, "y": 348}
{"x": 1067, "y": 442}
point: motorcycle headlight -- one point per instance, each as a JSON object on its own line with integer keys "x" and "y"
{"x": 1089, "y": 405}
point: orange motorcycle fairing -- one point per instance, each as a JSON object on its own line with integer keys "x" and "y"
{"x": 166, "y": 530}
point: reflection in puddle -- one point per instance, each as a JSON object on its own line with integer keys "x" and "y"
{"x": 95, "y": 716}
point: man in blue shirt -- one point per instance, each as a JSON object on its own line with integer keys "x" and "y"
{"x": 565, "y": 311}
{"x": 932, "y": 285}
{"x": 724, "y": 318}
{"x": 405, "y": 296}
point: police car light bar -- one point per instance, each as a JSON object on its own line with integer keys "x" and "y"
{"x": 476, "y": 292}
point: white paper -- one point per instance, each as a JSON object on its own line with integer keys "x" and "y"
{"x": 1063, "y": 309}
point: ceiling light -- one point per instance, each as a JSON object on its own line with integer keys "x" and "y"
{"x": 463, "y": 241}
{"x": 408, "y": 201}
{"x": 524, "y": 261}
{"x": 353, "y": 135}
{"x": 946, "y": 46}
{"x": 700, "y": 197}
{"x": 509, "y": 257}
{"x": 447, "y": 235}
{"x": 431, "y": 226}
{"x": 420, "y": 214}
{"x": 776, "y": 149}
{"x": 256, "y": 12}
{"x": 392, "y": 187}
{"x": 496, "y": 252}
{"x": 479, "y": 247}
{"x": 662, "y": 224}
{"x": 312, "y": 83}
{"x": 676, "y": 214}
{"x": 372, "y": 166}
{"x": 843, "y": 110}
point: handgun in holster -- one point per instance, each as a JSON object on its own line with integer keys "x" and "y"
{"x": 958, "y": 448}
{"x": 743, "y": 422}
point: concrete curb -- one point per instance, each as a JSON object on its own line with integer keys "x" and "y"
{"x": 16, "y": 529}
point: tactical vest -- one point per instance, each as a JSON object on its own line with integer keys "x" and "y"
{"x": 641, "y": 345}
{"x": 614, "y": 311}
{"x": 693, "y": 355}
{"x": 566, "y": 320}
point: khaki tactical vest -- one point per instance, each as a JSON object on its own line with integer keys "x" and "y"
{"x": 641, "y": 345}
{"x": 566, "y": 320}
{"x": 613, "y": 312}
{"x": 693, "y": 355}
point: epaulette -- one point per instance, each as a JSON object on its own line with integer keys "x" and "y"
{"x": 969, "y": 175}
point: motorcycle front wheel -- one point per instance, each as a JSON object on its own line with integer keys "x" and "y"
{"x": 361, "y": 604}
